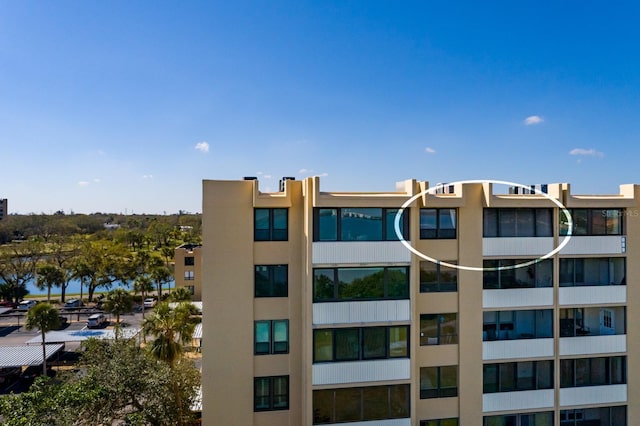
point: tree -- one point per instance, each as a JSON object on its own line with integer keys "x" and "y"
{"x": 143, "y": 285}
{"x": 160, "y": 275}
{"x": 80, "y": 270}
{"x": 49, "y": 276}
{"x": 118, "y": 301}
{"x": 61, "y": 252}
{"x": 117, "y": 384}
{"x": 17, "y": 268}
{"x": 180, "y": 294}
{"x": 172, "y": 328}
{"x": 45, "y": 318}
{"x": 100, "y": 264}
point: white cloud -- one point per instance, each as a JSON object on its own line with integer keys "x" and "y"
{"x": 83, "y": 183}
{"x": 147, "y": 176}
{"x": 325, "y": 174}
{"x": 591, "y": 152}
{"x": 533, "y": 119}
{"x": 266, "y": 176}
{"x": 202, "y": 146}
{"x": 429, "y": 150}
{"x": 97, "y": 180}
{"x": 303, "y": 171}
{"x": 101, "y": 152}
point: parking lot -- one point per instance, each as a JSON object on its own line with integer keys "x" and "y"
{"x": 13, "y": 332}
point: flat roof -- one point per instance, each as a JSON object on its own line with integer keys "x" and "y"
{"x": 20, "y": 356}
{"x": 82, "y": 335}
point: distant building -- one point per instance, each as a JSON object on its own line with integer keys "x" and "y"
{"x": 316, "y": 313}
{"x": 4, "y": 210}
{"x": 188, "y": 267}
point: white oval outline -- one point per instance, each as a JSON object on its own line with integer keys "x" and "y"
{"x": 565, "y": 241}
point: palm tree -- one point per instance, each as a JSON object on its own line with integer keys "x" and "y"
{"x": 44, "y": 317}
{"x": 142, "y": 284}
{"x": 180, "y": 294}
{"x": 172, "y": 328}
{"x": 49, "y": 276}
{"x": 160, "y": 275}
{"x": 118, "y": 302}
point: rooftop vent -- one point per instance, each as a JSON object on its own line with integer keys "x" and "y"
{"x": 283, "y": 180}
{"x": 532, "y": 189}
{"x": 444, "y": 188}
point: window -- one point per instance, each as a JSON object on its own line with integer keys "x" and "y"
{"x": 438, "y": 382}
{"x": 517, "y": 223}
{"x": 438, "y": 329}
{"x": 271, "y": 337}
{"x": 517, "y": 376}
{"x": 332, "y": 406}
{"x": 605, "y": 416}
{"x": 593, "y": 371}
{"x": 440, "y": 422}
{"x": 191, "y": 289}
{"x": 270, "y": 224}
{"x": 189, "y": 261}
{"x": 538, "y": 275}
{"x": 592, "y": 271}
{"x": 438, "y": 223}
{"x": 373, "y": 283}
{"x": 593, "y": 222}
{"x": 355, "y": 344}
{"x": 358, "y": 224}
{"x": 525, "y": 324}
{"x": 528, "y": 419}
{"x": 593, "y": 321}
{"x": 435, "y": 277}
{"x": 271, "y": 393}
{"x": 188, "y": 275}
{"x": 271, "y": 281}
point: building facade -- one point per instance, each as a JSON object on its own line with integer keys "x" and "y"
{"x": 4, "y": 208}
{"x": 188, "y": 269}
{"x": 316, "y": 313}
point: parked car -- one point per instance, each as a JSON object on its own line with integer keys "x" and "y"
{"x": 25, "y": 305}
{"x": 96, "y": 320}
{"x": 62, "y": 322}
{"x": 7, "y": 304}
{"x": 73, "y": 303}
{"x": 149, "y": 302}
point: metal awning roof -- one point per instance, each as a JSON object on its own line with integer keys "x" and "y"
{"x": 20, "y": 356}
{"x": 197, "y": 332}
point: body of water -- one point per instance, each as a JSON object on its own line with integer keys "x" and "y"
{"x": 74, "y": 288}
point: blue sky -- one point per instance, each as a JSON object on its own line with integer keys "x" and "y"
{"x": 126, "y": 106}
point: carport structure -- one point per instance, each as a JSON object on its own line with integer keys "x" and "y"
{"x": 25, "y": 355}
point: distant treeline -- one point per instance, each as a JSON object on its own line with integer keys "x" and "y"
{"x": 154, "y": 227}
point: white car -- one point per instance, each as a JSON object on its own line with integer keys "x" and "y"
{"x": 149, "y": 302}
{"x": 25, "y": 305}
{"x": 96, "y": 320}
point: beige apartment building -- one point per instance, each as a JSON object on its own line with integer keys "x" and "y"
{"x": 188, "y": 269}
{"x": 317, "y": 313}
